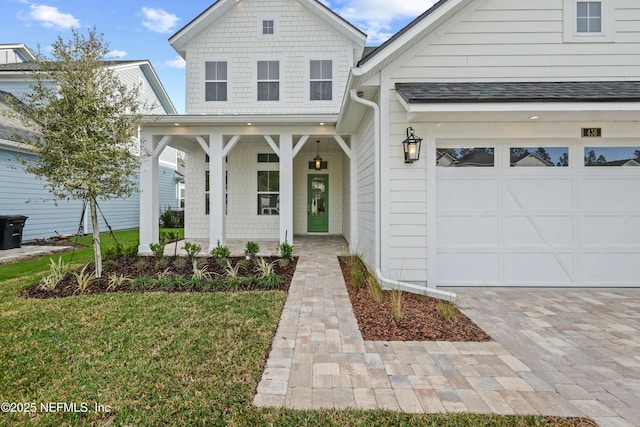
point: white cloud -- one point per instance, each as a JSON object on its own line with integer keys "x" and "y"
{"x": 115, "y": 54}
{"x": 178, "y": 62}
{"x": 51, "y": 17}
{"x": 158, "y": 20}
{"x": 379, "y": 19}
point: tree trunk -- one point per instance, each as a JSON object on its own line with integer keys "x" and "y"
{"x": 96, "y": 236}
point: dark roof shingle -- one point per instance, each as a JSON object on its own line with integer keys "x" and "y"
{"x": 609, "y": 91}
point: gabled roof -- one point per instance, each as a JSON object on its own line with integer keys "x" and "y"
{"x": 145, "y": 66}
{"x": 214, "y": 12}
{"x": 21, "y": 50}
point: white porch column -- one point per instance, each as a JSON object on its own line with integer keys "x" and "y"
{"x": 217, "y": 210}
{"x": 149, "y": 195}
{"x": 286, "y": 188}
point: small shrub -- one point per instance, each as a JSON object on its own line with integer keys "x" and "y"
{"x": 200, "y": 274}
{"x": 396, "y": 304}
{"x": 267, "y": 275}
{"x": 251, "y": 250}
{"x": 158, "y": 250}
{"x": 170, "y": 219}
{"x": 286, "y": 251}
{"x": 117, "y": 281}
{"x": 232, "y": 272}
{"x": 221, "y": 252}
{"x": 57, "y": 271}
{"x": 448, "y": 311}
{"x": 130, "y": 250}
{"x": 192, "y": 250}
{"x": 374, "y": 287}
{"x": 83, "y": 278}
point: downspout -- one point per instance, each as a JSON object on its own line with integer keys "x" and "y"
{"x": 394, "y": 284}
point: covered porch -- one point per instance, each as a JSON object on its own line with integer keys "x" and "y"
{"x": 253, "y": 178}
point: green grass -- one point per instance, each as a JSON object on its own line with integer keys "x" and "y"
{"x": 158, "y": 359}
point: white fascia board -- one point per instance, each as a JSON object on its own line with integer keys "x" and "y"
{"x": 158, "y": 88}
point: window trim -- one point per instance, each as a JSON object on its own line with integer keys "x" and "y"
{"x": 268, "y": 17}
{"x": 570, "y": 23}
{"x": 268, "y": 193}
{"x": 280, "y": 80}
{"x": 321, "y": 80}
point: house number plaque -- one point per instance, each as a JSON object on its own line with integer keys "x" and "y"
{"x": 591, "y": 132}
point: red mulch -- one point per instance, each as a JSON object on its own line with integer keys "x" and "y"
{"x": 421, "y": 320}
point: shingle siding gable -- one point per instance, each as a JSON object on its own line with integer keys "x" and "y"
{"x": 236, "y": 38}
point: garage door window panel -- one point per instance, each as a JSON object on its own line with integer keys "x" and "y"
{"x": 465, "y": 157}
{"x": 611, "y": 156}
{"x": 538, "y": 157}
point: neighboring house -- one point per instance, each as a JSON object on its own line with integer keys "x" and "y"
{"x": 465, "y": 74}
{"x": 625, "y": 162}
{"x": 23, "y": 194}
{"x": 530, "y": 160}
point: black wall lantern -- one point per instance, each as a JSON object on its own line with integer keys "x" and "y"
{"x": 318, "y": 163}
{"x": 411, "y": 146}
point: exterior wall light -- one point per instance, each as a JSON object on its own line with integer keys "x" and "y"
{"x": 318, "y": 163}
{"x": 411, "y": 146}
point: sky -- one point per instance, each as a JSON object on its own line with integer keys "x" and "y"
{"x": 140, "y": 29}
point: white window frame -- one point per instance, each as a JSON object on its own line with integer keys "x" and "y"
{"x": 320, "y": 80}
{"x": 203, "y": 81}
{"x": 280, "y": 80}
{"x": 570, "y": 21}
{"x": 276, "y": 25}
{"x": 328, "y": 56}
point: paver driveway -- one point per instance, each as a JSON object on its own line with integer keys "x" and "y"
{"x": 585, "y": 343}
{"x": 556, "y": 352}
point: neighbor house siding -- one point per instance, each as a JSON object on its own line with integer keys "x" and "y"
{"x": 168, "y": 188}
{"x": 300, "y": 36}
{"x": 507, "y": 40}
{"x": 23, "y": 194}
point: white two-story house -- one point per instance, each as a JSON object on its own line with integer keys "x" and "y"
{"x": 486, "y": 85}
{"x": 24, "y": 194}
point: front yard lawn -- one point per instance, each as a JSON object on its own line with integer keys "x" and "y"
{"x": 157, "y": 359}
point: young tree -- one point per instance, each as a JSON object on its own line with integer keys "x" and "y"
{"x": 87, "y": 121}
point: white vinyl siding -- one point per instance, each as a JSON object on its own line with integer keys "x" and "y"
{"x": 523, "y": 41}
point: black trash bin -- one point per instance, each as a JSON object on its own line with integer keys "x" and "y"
{"x": 11, "y": 231}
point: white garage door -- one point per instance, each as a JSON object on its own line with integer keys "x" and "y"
{"x": 538, "y": 216}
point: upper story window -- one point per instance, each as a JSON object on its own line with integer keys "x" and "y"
{"x": 215, "y": 81}
{"x": 268, "y": 26}
{"x": 321, "y": 88}
{"x": 268, "y": 80}
{"x": 590, "y": 21}
{"x": 589, "y": 17}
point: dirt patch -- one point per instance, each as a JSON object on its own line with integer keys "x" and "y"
{"x": 421, "y": 319}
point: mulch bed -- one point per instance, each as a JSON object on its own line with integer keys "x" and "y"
{"x": 421, "y": 320}
{"x": 147, "y": 266}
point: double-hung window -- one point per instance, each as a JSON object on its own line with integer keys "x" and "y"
{"x": 215, "y": 81}
{"x": 268, "y": 80}
{"x": 321, "y": 81}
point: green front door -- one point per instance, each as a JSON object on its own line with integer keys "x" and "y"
{"x": 318, "y": 203}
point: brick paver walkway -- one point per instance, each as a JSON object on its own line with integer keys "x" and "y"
{"x": 535, "y": 366}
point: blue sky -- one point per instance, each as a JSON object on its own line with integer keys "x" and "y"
{"x": 139, "y": 29}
